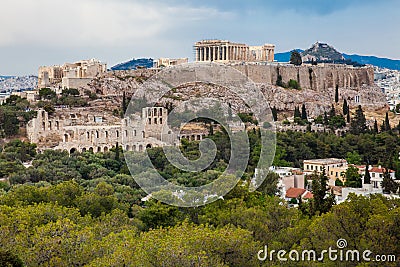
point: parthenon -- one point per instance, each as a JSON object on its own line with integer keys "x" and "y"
{"x": 222, "y": 50}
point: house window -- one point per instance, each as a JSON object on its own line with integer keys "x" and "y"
{"x": 308, "y": 167}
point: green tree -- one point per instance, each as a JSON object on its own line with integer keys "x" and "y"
{"x": 337, "y": 94}
{"x": 353, "y": 178}
{"x": 353, "y": 158}
{"x": 297, "y": 113}
{"x": 375, "y": 130}
{"x": 47, "y": 94}
{"x": 387, "y": 123}
{"x": 345, "y": 107}
{"x": 388, "y": 184}
{"x": 303, "y": 112}
{"x": 367, "y": 176}
{"x": 358, "y": 123}
{"x": 322, "y": 200}
{"x": 274, "y": 113}
{"x": 295, "y": 58}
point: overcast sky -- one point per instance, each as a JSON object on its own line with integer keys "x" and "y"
{"x": 49, "y": 32}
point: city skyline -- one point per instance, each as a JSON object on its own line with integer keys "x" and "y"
{"x": 49, "y": 32}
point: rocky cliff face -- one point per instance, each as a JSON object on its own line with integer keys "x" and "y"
{"x": 317, "y": 84}
{"x": 321, "y": 52}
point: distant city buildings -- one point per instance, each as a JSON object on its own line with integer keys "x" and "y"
{"x": 389, "y": 82}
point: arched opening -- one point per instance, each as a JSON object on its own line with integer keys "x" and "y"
{"x": 160, "y": 120}
{"x": 57, "y": 125}
{"x": 140, "y": 148}
{"x": 127, "y": 147}
{"x": 134, "y": 147}
{"x": 149, "y": 120}
{"x": 155, "y": 120}
{"x": 117, "y": 133}
{"x": 91, "y": 149}
{"x": 43, "y": 126}
{"x": 98, "y": 149}
{"x": 198, "y": 137}
{"x": 50, "y": 125}
{"x": 192, "y": 138}
{"x": 143, "y": 134}
{"x": 126, "y": 133}
{"x": 65, "y": 138}
{"x": 105, "y": 149}
{"x": 83, "y": 150}
{"x": 97, "y": 134}
{"x": 106, "y": 134}
{"x": 72, "y": 151}
{"x": 134, "y": 132}
{"x": 87, "y": 135}
{"x": 148, "y": 146}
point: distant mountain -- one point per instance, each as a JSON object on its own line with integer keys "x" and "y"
{"x": 134, "y": 64}
{"x": 376, "y": 61}
{"x": 321, "y": 52}
{"x": 371, "y": 60}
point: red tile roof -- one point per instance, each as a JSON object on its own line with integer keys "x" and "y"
{"x": 295, "y": 192}
{"x": 379, "y": 170}
{"x": 308, "y": 195}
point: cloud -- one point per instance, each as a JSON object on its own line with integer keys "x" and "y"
{"x": 94, "y": 22}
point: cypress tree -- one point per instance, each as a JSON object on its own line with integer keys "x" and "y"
{"x": 124, "y": 105}
{"x": 367, "y": 176}
{"x": 345, "y": 107}
{"x": 337, "y": 94}
{"x": 332, "y": 112}
{"x": 303, "y": 112}
{"x": 326, "y": 120}
{"x": 274, "y": 113}
{"x": 376, "y": 130}
{"x": 297, "y": 113}
{"x": 348, "y": 117}
{"x": 387, "y": 123}
{"x": 117, "y": 151}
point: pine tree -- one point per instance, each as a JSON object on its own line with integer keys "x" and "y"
{"x": 337, "y": 94}
{"x": 345, "y": 107}
{"x": 295, "y": 58}
{"x": 358, "y": 123}
{"x": 303, "y": 112}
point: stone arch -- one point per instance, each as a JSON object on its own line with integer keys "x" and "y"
{"x": 97, "y": 134}
{"x": 148, "y": 146}
{"x": 160, "y": 121}
{"x": 105, "y": 149}
{"x": 83, "y": 149}
{"x": 106, "y": 134}
{"x": 134, "y": 148}
{"x": 98, "y": 149}
{"x": 134, "y": 132}
{"x": 72, "y": 150}
{"x": 91, "y": 149}
{"x": 140, "y": 148}
{"x": 66, "y": 138}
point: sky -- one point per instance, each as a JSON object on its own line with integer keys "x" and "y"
{"x": 37, "y": 33}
